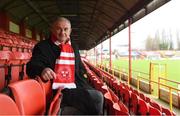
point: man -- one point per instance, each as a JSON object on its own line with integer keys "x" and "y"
{"x": 57, "y": 59}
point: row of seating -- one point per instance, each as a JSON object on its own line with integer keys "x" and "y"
{"x": 113, "y": 105}
{"x": 12, "y": 67}
{"x": 134, "y": 99}
{"x": 15, "y": 40}
{"x": 28, "y": 98}
{"x": 136, "y": 102}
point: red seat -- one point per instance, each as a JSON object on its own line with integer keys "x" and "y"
{"x": 126, "y": 97}
{"x": 8, "y": 106}
{"x": 123, "y": 107}
{"x": 109, "y": 103}
{"x": 5, "y": 56}
{"x": 114, "y": 96}
{"x": 55, "y": 104}
{"x": 136, "y": 92}
{"x": 29, "y": 97}
{"x": 19, "y": 66}
{"x": 104, "y": 89}
{"x": 156, "y": 105}
{"x": 154, "y": 111}
{"x": 142, "y": 96}
{"x": 167, "y": 112}
{"x": 118, "y": 111}
{"x": 134, "y": 103}
{"x": 115, "y": 86}
{"x": 15, "y": 67}
{"x": 143, "y": 107}
{"x": 47, "y": 88}
{"x": 98, "y": 85}
{"x": 148, "y": 100}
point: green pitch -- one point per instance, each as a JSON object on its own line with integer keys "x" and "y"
{"x": 173, "y": 68}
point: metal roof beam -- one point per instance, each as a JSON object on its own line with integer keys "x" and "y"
{"x": 37, "y": 11}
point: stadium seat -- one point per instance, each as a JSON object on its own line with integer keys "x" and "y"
{"x": 136, "y": 92}
{"x": 115, "y": 86}
{"x": 167, "y": 112}
{"x": 148, "y": 100}
{"x": 55, "y": 103}
{"x": 118, "y": 111}
{"x": 104, "y": 89}
{"x": 142, "y": 107}
{"x": 5, "y": 75}
{"x": 134, "y": 103}
{"x": 142, "y": 96}
{"x": 123, "y": 107}
{"x": 47, "y": 88}
{"x": 29, "y": 97}
{"x": 99, "y": 85}
{"x": 15, "y": 67}
{"x": 156, "y": 105}
{"x": 6, "y": 55}
{"x": 109, "y": 103}
{"x": 154, "y": 111}
{"x": 8, "y": 106}
{"x": 126, "y": 97}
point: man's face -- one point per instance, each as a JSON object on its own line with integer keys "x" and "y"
{"x": 62, "y": 30}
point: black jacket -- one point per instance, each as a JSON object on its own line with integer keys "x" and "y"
{"x": 45, "y": 54}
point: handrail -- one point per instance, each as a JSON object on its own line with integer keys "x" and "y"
{"x": 169, "y": 80}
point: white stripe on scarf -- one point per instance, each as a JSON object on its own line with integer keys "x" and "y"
{"x": 65, "y": 54}
{"x": 69, "y": 62}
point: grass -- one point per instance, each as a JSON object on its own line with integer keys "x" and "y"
{"x": 173, "y": 68}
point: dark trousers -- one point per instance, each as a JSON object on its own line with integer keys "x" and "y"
{"x": 81, "y": 101}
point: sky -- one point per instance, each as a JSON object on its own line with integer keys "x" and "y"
{"x": 164, "y": 18}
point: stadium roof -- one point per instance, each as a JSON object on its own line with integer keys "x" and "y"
{"x": 92, "y": 20}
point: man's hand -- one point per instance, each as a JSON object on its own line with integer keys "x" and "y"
{"x": 48, "y": 74}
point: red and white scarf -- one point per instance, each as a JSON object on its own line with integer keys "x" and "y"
{"x": 64, "y": 67}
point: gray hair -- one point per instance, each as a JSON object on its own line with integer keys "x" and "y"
{"x": 60, "y": 19}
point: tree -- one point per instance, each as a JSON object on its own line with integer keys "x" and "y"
{"x": 178, "y": 40}
{"x": 156, "y": 41}
{"x": 149, "y": 43}
{"x": 171, "y": 46}
{"x": 161, "y": 41}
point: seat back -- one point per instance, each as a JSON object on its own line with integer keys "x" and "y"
{"x": 8, "y": 106}
{"x": 29, "y": 97}
{"x": 134, "y": 103}
{"x": 109, "y": 103}
{"x": 5, "y": 56}
{"x": 167, "y": 112}
{"x": 123, "y": 107}
{"x": 143, "y": 107}
{"x": 156, "y": 105}
{"x": 142, "y": 96}
{"x": 55, "y": 103}
{"x": 16, "y": 66}
{"x": 154, "y": 111}
{"x": 47, "y": 88}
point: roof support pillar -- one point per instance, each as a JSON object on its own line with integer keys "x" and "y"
{"x": 34, "y": 33}
{"x": 110, "y": 52}
{"x": 4, "y": 21}
{"x": 130, "y": 65}
{"x": 95, "y": 56}
{"x": 101, "y": 52}
{"x": 22, "y": 26}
